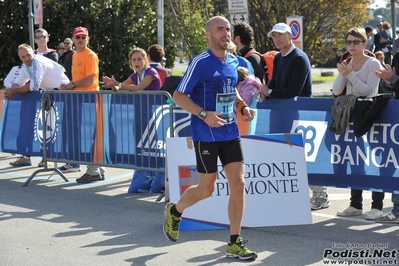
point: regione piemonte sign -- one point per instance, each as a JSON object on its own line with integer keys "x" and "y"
{"x": 275, "y": 176}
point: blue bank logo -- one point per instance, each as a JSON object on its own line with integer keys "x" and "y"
{"x": 312, "y": 133}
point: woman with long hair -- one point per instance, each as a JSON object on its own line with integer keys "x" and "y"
{"x": 144, "y": 77}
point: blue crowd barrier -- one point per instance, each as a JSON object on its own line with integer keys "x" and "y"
{"x": 103, "y": 128}
{"x": 369, "y": 162}
{"x": 130, "y": 130}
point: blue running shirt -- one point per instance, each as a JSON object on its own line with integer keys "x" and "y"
{"x": 211, "y": 84}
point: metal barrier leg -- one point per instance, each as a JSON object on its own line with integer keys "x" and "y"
{"x": 44, "y": 170}
{"x": 166, "y": 189}
{"x": 160, "y": 197}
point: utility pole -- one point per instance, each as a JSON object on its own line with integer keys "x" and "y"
{"x": 393, "y": 16}
{"x": 160, "y": 23}
{"x": 30, "y": 20}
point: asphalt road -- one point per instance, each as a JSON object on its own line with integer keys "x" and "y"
{"x": 52, "y": 222}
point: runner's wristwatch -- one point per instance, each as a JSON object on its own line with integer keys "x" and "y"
{"x": 202, "y": 115}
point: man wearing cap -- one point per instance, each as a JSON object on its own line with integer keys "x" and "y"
{"x": 291, "y": 67}
{"x": 292, "y": 77}
{"x": 85, "y": 74}
{"x": 85, "y": 69}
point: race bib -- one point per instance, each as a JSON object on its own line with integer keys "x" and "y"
{"x": 225, "y": 105}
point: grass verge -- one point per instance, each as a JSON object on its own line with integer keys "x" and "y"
{"x": 320, "y": 79}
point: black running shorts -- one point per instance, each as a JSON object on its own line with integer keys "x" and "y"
{"x": 207, "y": 153}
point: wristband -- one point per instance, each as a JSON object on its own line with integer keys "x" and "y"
{"x": 120, "y": 86}
{"x": 241, "y": 105}
{"x": 73, "y": 85}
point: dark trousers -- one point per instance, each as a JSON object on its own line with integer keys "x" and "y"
{"x": 357, "y": 199}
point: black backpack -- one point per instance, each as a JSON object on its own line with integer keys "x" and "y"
{"x": 171, "y": 84}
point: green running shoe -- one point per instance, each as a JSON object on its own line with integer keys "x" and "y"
{"x": 171, "y": 225}
{"x": 22, "y": 161}
{"x": 240, "y": 251}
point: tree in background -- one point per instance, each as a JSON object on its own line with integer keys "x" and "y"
{"x": 13, "y": 31}
{"x": 189, "y": 18}
{"x": 115, "y": 27}
{"x": 325, "y": 23}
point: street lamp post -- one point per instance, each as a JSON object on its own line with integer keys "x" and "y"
{"x": 393, "y": 19}
{"x": 30, "y": 20}
{"x": 160, "y": 23}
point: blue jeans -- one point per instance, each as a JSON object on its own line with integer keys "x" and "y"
{"x": 395, "y": 201}
{"x": 357, "y": 199}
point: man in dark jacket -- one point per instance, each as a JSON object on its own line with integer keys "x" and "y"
{"x": 66, "y": 58}
{"x": 292, "y": 77}
{"x": 291, "y": 67}
{"x": 242, "y": 37}
{"x": 390, "y": 75}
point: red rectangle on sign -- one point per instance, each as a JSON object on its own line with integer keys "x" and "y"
{"x": 185, "y": 172}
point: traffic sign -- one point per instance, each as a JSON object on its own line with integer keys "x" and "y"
{"x": 296, "y": 25}
{"x": 295, "y": 29}
{"x": 238, "y": 6}
{"x": 239, "y": 17}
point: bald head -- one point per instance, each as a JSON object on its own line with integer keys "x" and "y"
{"x": 212, "y": 21}
{"x": 218, "y": 35}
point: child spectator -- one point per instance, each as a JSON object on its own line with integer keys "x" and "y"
{"x": 380, "y": 56}
{"x": 248, "y": 87}
{"x": 156, "y": 54}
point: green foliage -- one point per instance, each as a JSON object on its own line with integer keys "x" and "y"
{"x": 13, "y": 31}
{"x": 189, "y": 18}
{"x": 178, "y": 72}
{"x": 321, "y": 79}
{"x": 115, "y": 27}
{"x": 325, "y": 23}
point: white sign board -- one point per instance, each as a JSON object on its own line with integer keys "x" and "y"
{"x": 276, "y": 183}
{"x": 238, "y": 17}
{"x": 238, "y": 6}
{"x": 238, "y": 10}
